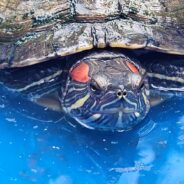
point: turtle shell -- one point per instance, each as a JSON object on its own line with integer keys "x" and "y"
{"x": 35, "y": 31}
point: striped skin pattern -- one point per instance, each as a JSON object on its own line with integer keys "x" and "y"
{"x": 114, "y": 96}
{"x": 167, "y": 79}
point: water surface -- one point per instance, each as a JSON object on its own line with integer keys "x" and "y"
{"x": 41, "y": 146}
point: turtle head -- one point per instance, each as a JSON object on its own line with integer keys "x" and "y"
{"x": 106, "y": 91}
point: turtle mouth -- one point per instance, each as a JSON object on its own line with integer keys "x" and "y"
{"x": 116, "y": 110}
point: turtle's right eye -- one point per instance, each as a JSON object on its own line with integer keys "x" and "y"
{"x": 141, "y": 86}
{"x": 95, "y": 88}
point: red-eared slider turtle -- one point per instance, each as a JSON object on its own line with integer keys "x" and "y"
{"x": 104, "y": 90}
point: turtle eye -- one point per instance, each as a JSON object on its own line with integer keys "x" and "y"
{"x": 141, "y": 86}
{"x": 95, "y": 88}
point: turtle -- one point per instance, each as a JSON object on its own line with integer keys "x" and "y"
{"x": 107, "y": 89}
{"x": 101, "y": 90}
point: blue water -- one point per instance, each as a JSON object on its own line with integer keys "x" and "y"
{"x": 44, "y": 147}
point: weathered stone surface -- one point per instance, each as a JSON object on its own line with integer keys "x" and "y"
{"x": 19, "y": 16}
{"x": 33, "y": 31}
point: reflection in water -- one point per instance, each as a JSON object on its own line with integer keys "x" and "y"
{"x": 50, "y": 150}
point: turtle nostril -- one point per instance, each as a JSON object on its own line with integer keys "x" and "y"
{"x": 124, "y": 93}
{"x": 119, "y": 93}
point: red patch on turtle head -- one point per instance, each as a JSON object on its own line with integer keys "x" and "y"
{"x": 132, "y": 67}
{"x": 80, "y": 73}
